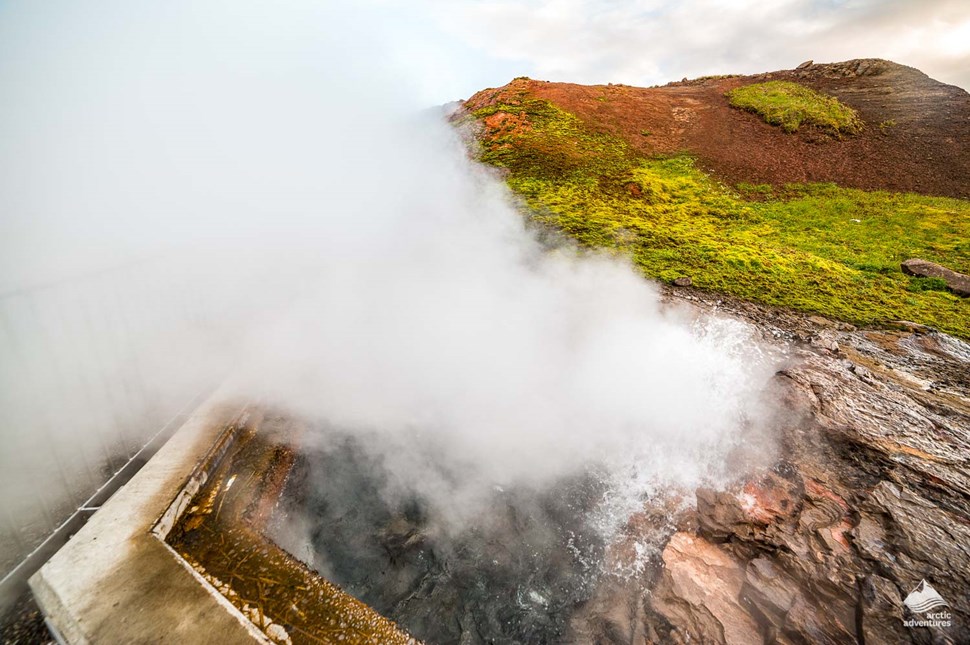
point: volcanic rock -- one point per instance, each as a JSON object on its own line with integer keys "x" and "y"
{"x": 869, "y": 496}
{"x": 700, "y": 592}
{"x": 882, "y": 611}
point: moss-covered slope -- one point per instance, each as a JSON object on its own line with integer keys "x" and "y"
{"x": 812, "y": 247}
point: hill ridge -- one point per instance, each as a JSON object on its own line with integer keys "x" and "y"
{"x": 914, "y": 139}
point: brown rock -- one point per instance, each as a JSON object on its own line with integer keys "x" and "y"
{"x": 882, "y": 612}
{"x": 760, "y": 503}
{"x": 769, "y": 590}
{"x": 958, "y": 283}
{"x": 699, "y": 593}
{"x": 805, "y": 65}
{"x": 909, "y": 326}
{"x": 683, "y": 282}
{"x": 719, "y": 514}
{"x": 815, "y": 625}
{"x": 821, "y": 321}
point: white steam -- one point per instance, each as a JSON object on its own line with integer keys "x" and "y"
{"x": 354, "y": 265}
{"x": 451, "y": 327}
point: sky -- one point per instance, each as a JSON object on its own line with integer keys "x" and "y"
{"x": 173, "y": 73}
{"x": 474, "y": 44}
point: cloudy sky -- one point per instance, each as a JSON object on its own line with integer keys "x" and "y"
{"x": 482, "y": 43}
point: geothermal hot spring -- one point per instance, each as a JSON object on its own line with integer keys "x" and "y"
{"x": 516, "y": 572}
{"x": 497, "y": 428}
{"x": 457, "y": 544}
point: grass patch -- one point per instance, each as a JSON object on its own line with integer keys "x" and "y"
{"x": 791, "y": 105}
{"x": 815, "y": 248}
{"x": 927, "y": 284}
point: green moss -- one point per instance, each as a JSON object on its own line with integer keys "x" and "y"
{"x": 552, "y": 143}
{"x": 927, "y": 284}
{"x": 812, "y": 247}
{"x": 790, "y": 105}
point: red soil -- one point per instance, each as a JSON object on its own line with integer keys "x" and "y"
{"x": 916, "y": 136}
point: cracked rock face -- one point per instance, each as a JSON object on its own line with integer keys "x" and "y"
{"x": 870, "y": 497}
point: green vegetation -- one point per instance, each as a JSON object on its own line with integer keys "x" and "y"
{"x": 790, "y": 105}
{"x": 927, "y": 284}
{"x": 816, "y": 248}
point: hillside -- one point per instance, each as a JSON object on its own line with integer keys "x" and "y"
{"x": 806, "y": 198}
{"x": 915, "y": 139}
{"x": 811, "y": 218}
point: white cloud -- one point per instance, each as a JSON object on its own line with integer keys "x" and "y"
{"x": 645, "y": 42}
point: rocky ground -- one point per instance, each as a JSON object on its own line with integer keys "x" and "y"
{"x": 869, "y": 496}
{"x": 23, "y": 624}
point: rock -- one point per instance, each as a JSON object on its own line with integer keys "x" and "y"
{"x": 719, "y": 514}
{"x": 806, "y": 64}
{"x": 699, "y": 593}
{"x": 958, "y": 283}
{"x": 909, "y": 326}
{"x": 770, "y": 592}
{"x": 825, "y": 342}
{"x": 821, "y": 321}
{"x": 683, "y": 281}
{"x": 758, "y": 504}
{"x": 882, "y": 612}
{"x": 927, "y": 541}
{"x": 868, "y": 495}
{"x": 815, "y": 624}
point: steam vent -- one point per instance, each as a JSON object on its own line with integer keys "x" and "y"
{"x": 293, "y": 350}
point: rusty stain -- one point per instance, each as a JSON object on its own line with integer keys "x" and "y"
{"x": 288, "y": 601}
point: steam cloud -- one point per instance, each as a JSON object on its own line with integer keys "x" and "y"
{"x": 355, "y": 266}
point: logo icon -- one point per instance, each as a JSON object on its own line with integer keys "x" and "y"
{"x": 924, "y": 598}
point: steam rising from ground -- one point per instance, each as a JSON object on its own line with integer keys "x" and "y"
{"x": 452, "y": 334}
{"x": 365, "y": 271}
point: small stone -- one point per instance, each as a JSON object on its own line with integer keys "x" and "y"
{"x": 807, "y": 63}
{"x": 820, "y": 321}
{"x": 683, "y": 281}
{"x": 278, "y": 634}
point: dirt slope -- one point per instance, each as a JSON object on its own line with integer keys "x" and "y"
{"x": 916, "y": 135}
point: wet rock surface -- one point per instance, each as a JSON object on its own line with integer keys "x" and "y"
{"x": 870, "y": 495}
{"x": 513, "y": 574}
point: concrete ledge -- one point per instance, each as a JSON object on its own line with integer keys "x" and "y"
{"x": 117, "y": 582}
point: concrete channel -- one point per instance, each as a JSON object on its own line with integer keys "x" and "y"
{"x": 179, "y": 555}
